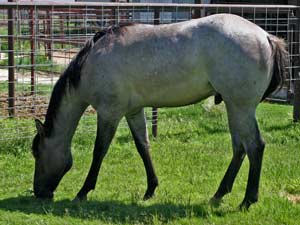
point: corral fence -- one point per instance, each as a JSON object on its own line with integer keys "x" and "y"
{"x": 38, "y": 40}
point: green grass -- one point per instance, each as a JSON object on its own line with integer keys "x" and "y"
{"x": 42, "y": 63}
{"x": 25, "y": 88}
{"x": 190, "y": 155}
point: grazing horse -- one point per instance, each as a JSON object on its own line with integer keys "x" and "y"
{"x": 123, "y": 69}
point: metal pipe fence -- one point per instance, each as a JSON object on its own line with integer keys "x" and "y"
{"x": 38, "y": 40}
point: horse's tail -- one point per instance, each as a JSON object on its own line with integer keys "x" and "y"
{"x": 280, "y": 61}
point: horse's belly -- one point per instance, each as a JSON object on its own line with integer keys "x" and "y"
{"x": 179, "y": 94}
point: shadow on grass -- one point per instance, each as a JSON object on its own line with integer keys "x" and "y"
{"x": 113, "y": 211}
{"x": 280, "y": 127}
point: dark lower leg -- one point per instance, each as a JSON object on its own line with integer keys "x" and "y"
{"x": 152, "y": 181}
{"x": 138, "y": 129}
{"x": 229, "y": 177}
{"x": 91, "y": 179}
{"x": 251, "y": 195}
{"x": 105, "y": 133}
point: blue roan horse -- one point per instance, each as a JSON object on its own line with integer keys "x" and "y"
{"x": 123, "y": 69}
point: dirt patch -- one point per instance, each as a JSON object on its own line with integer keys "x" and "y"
{"x": 64, "y": 57}
{"x": 26, "y": 105}
{"x": 293, "y": 198}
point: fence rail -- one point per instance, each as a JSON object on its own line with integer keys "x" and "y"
{"x": 38, "y": 40}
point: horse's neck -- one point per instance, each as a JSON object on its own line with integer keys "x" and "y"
{"x": 67, "y": 118}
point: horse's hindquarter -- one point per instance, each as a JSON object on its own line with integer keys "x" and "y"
{"x": 241, "y": 60}
{"x": 173, "y": 65}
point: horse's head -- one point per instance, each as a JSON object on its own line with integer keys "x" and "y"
{"x": 52, "y": 160}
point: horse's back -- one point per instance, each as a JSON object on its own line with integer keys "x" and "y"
{"x": 182, "y": 63}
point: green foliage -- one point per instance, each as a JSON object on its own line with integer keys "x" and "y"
{"x": 293, "y": 187}
{"x": 3, "y": 87}
{"x": 191, "y": 155}
{"x": 41, "y": 61}
{"x": 41, "y": 89}
{"x": 3, "y": 46}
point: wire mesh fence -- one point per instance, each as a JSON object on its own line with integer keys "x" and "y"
{"x": 37, "y": 42}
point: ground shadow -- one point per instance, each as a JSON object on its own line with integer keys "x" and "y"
{"x": 114, "y": 211}
{"x": 276, "y": 127}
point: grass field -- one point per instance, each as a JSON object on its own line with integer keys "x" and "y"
{"x": 23, "y": 88}
{"x": 191, "y": 155}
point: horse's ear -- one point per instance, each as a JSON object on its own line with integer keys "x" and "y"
{"x": 40, "y": 127}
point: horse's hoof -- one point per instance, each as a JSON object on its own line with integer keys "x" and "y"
{"x": 148, "y": 196}
{"x": 246, "y": 203}
{"x": 244, "y": 206}
{"x": 80, "y": 199}
{"x": 150, "y": 191}
{"x": 215, "y": 202}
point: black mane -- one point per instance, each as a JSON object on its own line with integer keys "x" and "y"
{"x": 70, "y": 77}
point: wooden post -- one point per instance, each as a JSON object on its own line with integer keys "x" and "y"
{"x": 49, "y": 34}
{"x": 155, "y": 110}
{"x": 32, "y": 51}
{"x": 114, "y": 15}
{"x": 296, "y": 113}
{"x": 61, "y": 27}
{"x": 196, "y": 11}
{"x": 11, "y": 63}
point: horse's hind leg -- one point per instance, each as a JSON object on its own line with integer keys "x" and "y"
{"x": 255, "y": 150}
{"x": 230, "y": 175}
{"x": 106, "y": 128}
{"x": 137, "y": 124}
{"x": 245, "y": 139}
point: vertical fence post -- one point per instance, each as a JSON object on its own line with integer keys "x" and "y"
{"x": 49, "y": 32}
{"x": 113, "y": 14}
{"x": 296, "y": 113}
{"x": 11, "y": 63}
{"x": 196, "y": 11}
{"x": 61, "y": 28}
{"x": 32, "y": 51}
{"x": 155, "y": 110}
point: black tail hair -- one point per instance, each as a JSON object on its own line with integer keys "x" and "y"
{"x": 280, "y": 63}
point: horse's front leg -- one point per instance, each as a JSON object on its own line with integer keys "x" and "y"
{"x": 106, "y": 128}
{"x": 138, "y": 127}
